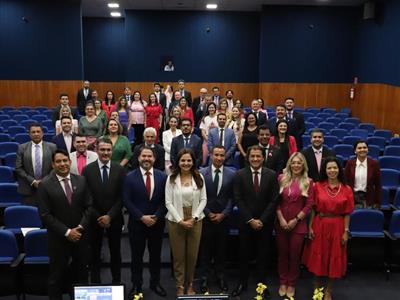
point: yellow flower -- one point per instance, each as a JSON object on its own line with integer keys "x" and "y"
{"x": 258, "y": 297}
{"x": 138, "y": 296}
{"x": 290, "y": 298}
{"x": 318, "y": 294}
{"x": 206, "y": 293}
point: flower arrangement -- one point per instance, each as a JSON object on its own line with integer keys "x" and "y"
{"x": 138, "y": 296}
{"x": 318, "y": 294}
{"x": 261, "y": 290}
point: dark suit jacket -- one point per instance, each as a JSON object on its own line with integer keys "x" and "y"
{"x": 221, "y": 203}
{"x": 299, "y": 128}
{"x": 195, "y": 107}
{"x": 81, "y": 100}
{"x": 291, "y": 127}
{"x": 312, "y": 162}
{"x": 59, "y": 141}
{"x": 56, "y": 114}
{"x": 374, "y": 184}
{"x": 262, "y": 118}
{"x": 57, "y": 214}
{"x": 136, "y": 199}
{"x": 260, "y": 205}
{"x": 158, "y": 151}
{"x": 194, "y": 143}
{"x": 24, "y": 166}
{"x": 107, "y": 198}
{"x": 274, "y": 160}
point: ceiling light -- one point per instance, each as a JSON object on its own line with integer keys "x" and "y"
{"x": 212, "y": 6}
{"x": 115, "y": 14}
{"x": 113, "y": 5}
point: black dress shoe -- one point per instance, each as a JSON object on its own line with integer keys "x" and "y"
{"x": 204, "y": 286}
{"x": 158, "y": 289}
{"x": 135, "y": 291}
{"x": 223, "y": 285}
{"x": 239, "y": 289}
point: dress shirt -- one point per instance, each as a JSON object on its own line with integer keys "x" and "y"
{"x": 360, "y": 178}
{"x": 85, "y": 92}
{"x": 221, "y": 176}
{"x": 68, "y": 140}
{"x": 33, "y": 154}
{"x": 61, "y": 181}
{"x": 108, "y": 165}
{"x": 266, "y": 150}
{"x": 318, "y": 157}
{"x": 186, "y": 138}
{"x": 158, "y": 96}
{"x": 289, "y": 114}
{"x": 259, "y": 174}
{"x": 151, "y": 179}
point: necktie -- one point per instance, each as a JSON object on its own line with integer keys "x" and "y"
{"x": 221, "y": 136}
{"x": 266, "y": 153}
{"x": 68, "y": 191}
{"x": 38, "y": 162}
{"x": 256, "y": 182}
{"x": 186, "y": 141}
{"x": 148, "y": 184}
{"x": 216, "y": 180}
{"x": 318, "y": 158}
{"x": 105, "y": 174}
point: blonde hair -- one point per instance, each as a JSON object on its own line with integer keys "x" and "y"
{"x": 287, "y": 178}
{"x": 69, "y": 111}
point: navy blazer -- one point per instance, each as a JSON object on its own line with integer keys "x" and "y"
{"x": 59, "y": 141}
{"x": 229, "y": 143}
{"x": 194, "y": 144}
{"x": 221, "y": 203}
{"x": 136, "y": 199}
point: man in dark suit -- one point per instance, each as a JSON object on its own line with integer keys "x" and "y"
{"x": 33, "y": 163}
{"x": 219, "y": 184}
{"x": 149, "y": 136}
{"x": 144, "y": 198}
{"x": 280, "y": 114}
{"x": 196, "y": 103}
{"x": 105, "y": 180}
{"x": 273, "y": 158}
{"x": 187, "y": 140}
{"x": 315, "y": 153}
{"x": 202, "y": 109}
{"x": 162, "y": 99}
{"x": 65, "y": 208}
{"x": 84, "y": 95}
{"x": 64, "y": 101}
{"x": 261, "y": 116}
{"x": 65, "y": 139}
{"x": 216, "y": 96}
{"x": 256, "y": 192}
{"x": 224, "y": 137}
{"x": 185, "y": 93}
{"x": 298, "y": 120}
{"x": 128, "y": 95}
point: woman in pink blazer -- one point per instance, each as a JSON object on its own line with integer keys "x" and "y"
{"x": 285, "y": 142}
{"x": 297, "y": 198}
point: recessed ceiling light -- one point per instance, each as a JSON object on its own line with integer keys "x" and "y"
{"x": 115, "y": 14}
{"x": 212, "y": 6}
{"x": 113, "y": 5}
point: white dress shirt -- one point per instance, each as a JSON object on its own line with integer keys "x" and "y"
{"x": 151, "y": 179}
{"x": 360, "y": 179}
{"x": 68, "y": 140}
{"x": 101, "y": 167}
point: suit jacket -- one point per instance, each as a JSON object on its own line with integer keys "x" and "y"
{"x": 291, "y": 126}
{"x": 107, "y": 198}
{"x": 194, "y": 144}
{"x": 312, "y": 162}
{"x": 195, "y": 107}
{"x": 24, "y": 167}
{"x": 56, "y": 114}
{"x": 136, "y": 199}
{"x": 90, "y": 157}
{"x": 229, "y": 143}
{"x": 221, "y": 202}
{"x": 158, "y": 151}
{"x": 262, "y": 118}
{"x": 260, "y": 205}
{"x": 81, "y": 100}
{"x": 59, "y": 141}
{"x": 374, "y": 184}
{"x": 199, "y": 114}
{"x": 56, "y": 213}
{"x": 274, "y": 159}
{"x": 299, "y": 128}
{"x": 188, "y": 97}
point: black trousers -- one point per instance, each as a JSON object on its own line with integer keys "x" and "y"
{"x": 114, "y": 244}
{"x": 214, "y": 239}
{"x": 258, "y": 243}
{"x": 139, "y": 236}
{"x": 138, "y": 129}
{"x": 60, "y": 253}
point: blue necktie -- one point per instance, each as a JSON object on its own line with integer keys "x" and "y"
{"x": 105, "y": 174}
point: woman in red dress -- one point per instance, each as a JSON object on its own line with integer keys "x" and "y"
{"x": 297, "y": 198}
{"x": 186, "y": 110}
{"x": 325, "y": 253}
{"x": 154, "y": 114}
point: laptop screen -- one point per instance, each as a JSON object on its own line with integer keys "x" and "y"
{"x": 99, "y": 292}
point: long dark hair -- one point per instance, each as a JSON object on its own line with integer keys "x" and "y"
{"x": 324, "y": 176}
{"x": 195, "y": 173}
{"x": 277, "y": 132}
{"x": 112, "y": 99}
{"x": 246, "y": 122}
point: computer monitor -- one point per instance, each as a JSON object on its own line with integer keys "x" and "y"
{"x": 99, "y": 292}
{"x": 203, "y": 297}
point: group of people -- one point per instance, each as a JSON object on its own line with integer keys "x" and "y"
{"x": 81, "y": 195}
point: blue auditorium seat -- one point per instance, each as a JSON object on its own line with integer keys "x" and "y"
{"x": 377, "y": 141}
{"x": 361, "y": 133}
{"x": 350, "y": 140}
{"x": 4, "y": 137}
{"x": 324, "y": 115}
{"x": 7, "y": 123}
{"x": 22, "y": 138}
{"x": 392, "y": 151}
{"x": 9, "y": 160}
{"x": 369, "y": 127}
{"x": 366, "y": 223}
{"x": 8, "y": 147}
{"x": 327, "y": 126}
{"x": 313, "y": 110}
{"x": 389, "y": 162}
{"x": 20, "y": 118}
{"x": 331, "y": 111}
{"x": 307, "y": 115}
{"x": 334, "y": 120}
{"x": 342, "y": 116}
{"x": 6, "y": 175}
{"x": 9, "y": 195}
{"x": 39, "y": 118}
{"x": 14, "y": 130}
{"x": 344, "y": 150}
{"x": 330, "y": 140}
{"x": 347, "y": 126}
{"x": 395, "y": 141}
{"x": 394, "y": 227}
{"x": 387, "y": 134}
{"x": 339, "y": 133}
{"x": 353, "y": 120}
{"x": 20, "y": 216}
{"x": 4, "y": 117}
{"x": 390, "y": 178}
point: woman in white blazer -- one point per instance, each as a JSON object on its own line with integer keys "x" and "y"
{"x": 185, "y": 199}
{"x": 168, "y": 135}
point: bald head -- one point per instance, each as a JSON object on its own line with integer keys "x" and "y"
{"x": 203, "y": 92}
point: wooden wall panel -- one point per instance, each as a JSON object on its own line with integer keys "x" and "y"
{"x": 376, "y": 103}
